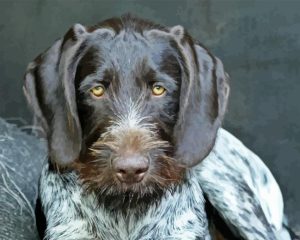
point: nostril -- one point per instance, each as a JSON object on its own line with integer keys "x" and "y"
{"x": 141, "y": 170}
{"x": 121, "y": 171}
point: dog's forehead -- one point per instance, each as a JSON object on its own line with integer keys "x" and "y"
{"x": 128, "y": 52}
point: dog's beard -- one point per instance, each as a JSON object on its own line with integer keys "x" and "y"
{"x": 117, "y": 196}
{"x": 135, "y": 201}
{"x": 97, "y": 176}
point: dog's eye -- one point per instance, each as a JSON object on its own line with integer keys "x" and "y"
{"x": 97, "y": 91}
{"x": 158, "y": 90}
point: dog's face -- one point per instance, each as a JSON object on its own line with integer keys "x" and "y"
{"x": 128, "y": 104}
{"x": 128, "y": 99}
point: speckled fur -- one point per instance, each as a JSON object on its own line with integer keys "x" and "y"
{"x": 83, "y": 199}
{"x": 233, "y": 178}
{"x": 73, "y": 214}
{"x": 242, "y": 189}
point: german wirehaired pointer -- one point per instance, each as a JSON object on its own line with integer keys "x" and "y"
{"x": 132, "y": 113}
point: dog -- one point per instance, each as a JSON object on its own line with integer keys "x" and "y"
{"x": 130, "y": 109}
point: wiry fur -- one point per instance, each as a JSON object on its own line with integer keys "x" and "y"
{"x": 242, "y": 189}
{"x": 81, "y": 193}
{"x": 71, "y": 213}
{"x": 233, "y": 178}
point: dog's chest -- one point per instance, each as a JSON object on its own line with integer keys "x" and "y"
{"x": 72, "y": 215}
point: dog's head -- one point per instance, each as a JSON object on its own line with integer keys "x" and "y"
{"x": 128, "y": 103}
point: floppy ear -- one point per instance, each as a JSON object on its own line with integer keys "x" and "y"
{"x": 49, "y": 89}
{"x": 203, "y": 99}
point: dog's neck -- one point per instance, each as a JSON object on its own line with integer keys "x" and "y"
{"x": 66, "y": 203}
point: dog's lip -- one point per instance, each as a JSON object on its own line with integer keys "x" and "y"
{"x": 131, "y": 185}
{"x": 131, "y": 182}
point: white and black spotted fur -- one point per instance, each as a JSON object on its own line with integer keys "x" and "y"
{"x": 164, "y": 143}
{"x": 233, "y": 178}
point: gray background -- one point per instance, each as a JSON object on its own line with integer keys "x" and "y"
{"x": 258, "y": 41}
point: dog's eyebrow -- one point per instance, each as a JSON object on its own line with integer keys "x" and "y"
{"x": 168, "y": 81}
{"x": 157, "y": 76}
{"x": 103, "y": 77}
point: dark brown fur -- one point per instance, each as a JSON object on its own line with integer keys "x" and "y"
{"x": 127, "y": 55}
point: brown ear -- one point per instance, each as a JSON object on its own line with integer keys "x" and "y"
{"x": 49, "y": 89}
{"x": 203, "y": 100}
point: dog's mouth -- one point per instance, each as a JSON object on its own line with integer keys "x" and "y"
{"x": 136, "y": 197}
{"x": 97, "y": 176}
{"x": 129, "y": 165}
{"x": 136, "y": 202}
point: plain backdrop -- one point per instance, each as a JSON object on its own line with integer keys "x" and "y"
{"x": 258, "y": 41}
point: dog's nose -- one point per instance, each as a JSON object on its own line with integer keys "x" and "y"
{"x": 131, "y": 169}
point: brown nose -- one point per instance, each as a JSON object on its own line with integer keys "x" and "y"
{"x": 131, "y": 169}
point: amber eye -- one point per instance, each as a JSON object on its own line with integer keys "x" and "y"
{"x": 158, "y": 90}
{"x": 97, "y": 91}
